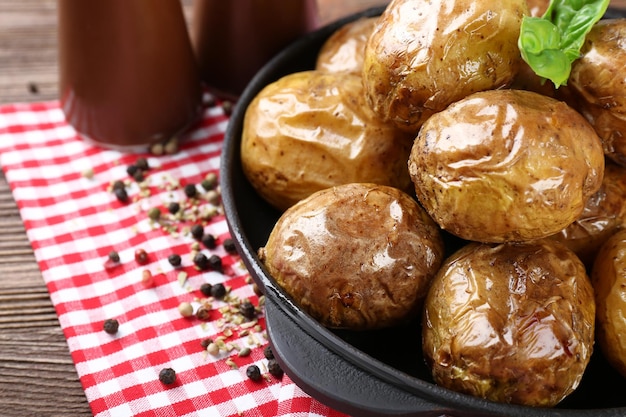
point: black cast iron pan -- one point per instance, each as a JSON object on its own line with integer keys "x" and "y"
{"x": 366, "y": 373}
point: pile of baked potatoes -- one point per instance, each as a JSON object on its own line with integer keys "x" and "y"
{"x": 424, "y": 124}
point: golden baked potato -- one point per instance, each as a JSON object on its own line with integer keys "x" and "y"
{"x": 506, "y": 165}
{"x": 609, "y": 283}
{"x": 510, "y": 322}
{"x": 603, "y": 215}
{"x": 425, "y": 55}
{"x": 598, "y": 82}
{"x": 344, "y": 49}
{"x": 312, "y": 130}
{"x": 355, "y": 256}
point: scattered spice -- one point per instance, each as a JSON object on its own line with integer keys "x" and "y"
{"x": 175, "y": 260}
{"x": 227, "y": 106}
{"x": 247, "y": 309}
{"x": 167, "y": 376}
{"x": 203, "y": 313}
{"x": 267, "y": 352}
{"x": 213, "y": 349}
{"x": 141, "y": 256}
{"x": 197, "y": 231}
{"x": 185, "y": 309}
{"x": 146, "y": 278}
{"x": 131, "y": 169}
{"x": 253, "y": 372}
{"x": 229, "y": 246}
{"x": 218, "y": 291}
{"x": 190, "y": 190}
{"x": 209, "y": 241}
{"x": 114, "y": 256}
{"x": 88, "y": 173}
{"x": 171, "y": 146}
{"x": 274, "y": 368}
{"x": 206, "y": 288}
{"x": 215, "y": 262}
{"x": 244, "y": 352}
{"x": 201, "y": 261}
{"x": 139, "y": 176}
{"x": 206, "y": 342}
{"x": 154, "y": 214}
{"x": 210, "y": 181}
{"x": 142, "y": 164}
{"x": 121, "y": 194}
{"x": 111, "y": 326}
{"x": 173, "y": 207}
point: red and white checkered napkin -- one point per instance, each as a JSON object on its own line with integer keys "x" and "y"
{"x": 62, "y": 186}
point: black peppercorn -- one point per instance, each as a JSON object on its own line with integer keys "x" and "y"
{"x": 215, "y": 263}
{"x": 173, "y": 207}
{"x": 197, "y": 231}
{"x": 205, "y": 289}
{"x": 209, "y": 241}
{"x": 118, "y": 184}
{"x": 121, "y": 194}
{"x": 203, "y": 313}
{"x": 229, "y": 246}
{"x": 274, "y": 368}
{"x": 247, "y": 309}
{"x": 174, "y": 259}
{"x": 227, "y": 106}
{"x": 139, "y": 176}
{"x": 190, "y": 190}
{"x": 131, "y": 169}
{"x": 142, "y": 163}
{"x": 201, "y": 261}
{"x": 111, "y": 326}
{"x": 167, "y": 376}
{"x": 218, "y": 291}
{"x": 253, "y": 372}
{"x": 114, "y": 256}
{"x": 206, "y": 342}
{"x": 267, "y": 352}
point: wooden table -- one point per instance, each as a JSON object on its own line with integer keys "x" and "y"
{"x": 37, "y": 375}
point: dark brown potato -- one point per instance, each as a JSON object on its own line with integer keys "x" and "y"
{"x": 609, "y": 280}
{"x": 344, "y": 49}
{"x": 603, "y": 215}
{"x": 506, "y": 165}
{"x": 598, "y": 82}
{"x": 511, "y": 323}
{"x": 355, "y": 256}
{"x": 425, "y": 55}
{"x": 312, "y": 130}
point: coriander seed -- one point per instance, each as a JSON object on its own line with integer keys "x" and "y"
{"x": 154, "y": 214}
{"x": 185, "y": 309}
{"x": 111, "y": 326}
{"x": 167, "y": 376}
{"x": 253, "y": 372}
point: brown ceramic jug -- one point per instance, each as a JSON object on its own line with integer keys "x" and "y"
{"x": 128, "y": 76}
{"x": 233, "y": 39}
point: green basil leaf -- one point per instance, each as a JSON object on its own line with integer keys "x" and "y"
{"x": 551, "y": 43}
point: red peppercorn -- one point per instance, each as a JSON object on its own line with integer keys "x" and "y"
{"x": 141, "y": 256}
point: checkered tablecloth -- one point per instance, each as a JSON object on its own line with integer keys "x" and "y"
{"x": 62, "y": 187}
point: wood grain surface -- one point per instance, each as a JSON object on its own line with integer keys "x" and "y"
{"x": 37, "y": 375}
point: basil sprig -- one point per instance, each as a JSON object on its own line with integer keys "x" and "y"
{"x": 551, "y": 43}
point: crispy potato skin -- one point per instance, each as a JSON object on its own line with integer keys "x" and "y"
{"x": 355, "y": 256}
{"x": 313, "y": 130}
{"x": 511, "y": 322}
{"x": 345, "y": 49}
{"x": 609, "y": 280}
{"x": 598, "y": 82}
{"x": 506, "y": 165}
{"x": 425, "y": 55}
{"x": 603, "y": 215}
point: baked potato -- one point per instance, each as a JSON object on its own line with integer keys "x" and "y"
{"x": 355, "y": 256}
{"x": 510, "y": 322}
{"x": 312, "y": 130}
{"x": 506, "y": 165}
{"x": 345, "y": 48}
{"x": 424, "y": 55}
{"x": 598, "y": 83}
{"x": 609, "y": 281}
{"x": 602, "y": 216}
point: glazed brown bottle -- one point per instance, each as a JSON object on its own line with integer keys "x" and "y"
{"x": 232, "y": 40}
{"x": 128, "y": 76}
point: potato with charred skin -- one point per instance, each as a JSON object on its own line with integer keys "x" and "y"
{"x": 598, "y": 83}
{"x": 609, "y": 280}
{"x": 355, "y": 256}
{"x": 312, "y": 130}
{"x": 425, "y": 55}
{"x": 506, "y": 165}
{"x": 344, "y": 50}
{"x": 510, "y": 322}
